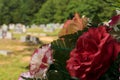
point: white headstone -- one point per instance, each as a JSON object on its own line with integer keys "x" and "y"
{"x": 4, "y": 27}
{"x": 20, "y": 28}
{"x": 0, "y": 34}
{"x": 23, "y": 29}
{"x": 8, "y": 35}
{"x": 23, "y": 39}
{"x": 11, "y": 26}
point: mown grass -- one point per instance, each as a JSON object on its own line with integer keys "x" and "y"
{"x": 12, "y": 65}
{"x": 39, "y": 30}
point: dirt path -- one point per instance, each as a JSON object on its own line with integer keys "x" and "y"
{"x": 47, "y": 39}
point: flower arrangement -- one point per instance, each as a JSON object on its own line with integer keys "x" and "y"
{"x": 82, "y": 52}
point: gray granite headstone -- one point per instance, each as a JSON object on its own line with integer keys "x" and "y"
{"x": 5, "y": 52}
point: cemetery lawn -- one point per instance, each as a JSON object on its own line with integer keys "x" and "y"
{"x": 13, "y": 64}
{"x": 34, "y": 32}
{"x": 39, "y": 30}
{"x": 17, "y": 62}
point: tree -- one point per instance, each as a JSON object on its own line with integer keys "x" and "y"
{"x": 48, "y": 11}
{"x": 90, "y": 8}
{"x": 45, "y": 14}
{"x": 19, "y": 11}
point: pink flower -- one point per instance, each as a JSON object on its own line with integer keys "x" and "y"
{"x": 26, "y": 75}
{"x": 115, "y": 20}
{"x": 40, "y": 61}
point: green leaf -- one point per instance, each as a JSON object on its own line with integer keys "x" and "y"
{"x": 55, "y": 75}
{"x": 62, "y": 48}
{"x": 113, "y": 72}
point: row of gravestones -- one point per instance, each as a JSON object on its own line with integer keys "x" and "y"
{"x": 21, "y": 28}
{"x": 50, "y": 27}
{"x": 30, "y": 38}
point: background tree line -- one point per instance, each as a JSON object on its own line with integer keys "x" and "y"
{"x": 48, "y": 11}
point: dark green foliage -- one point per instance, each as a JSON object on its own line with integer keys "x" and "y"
{"x": 51, "y": 11}
{"x": 48, "y": 11}
{"x": 113, "y": 72}
{"x": 19, "y": 11}
{"x": 62, "y": 48}
{"x": 95, "y": 21}
{"x": 55, "y": 75}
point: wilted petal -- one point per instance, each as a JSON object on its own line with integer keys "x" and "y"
{"x": 74, "y": 25}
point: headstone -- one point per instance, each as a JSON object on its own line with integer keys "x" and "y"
{"x": 4, "y": 34}
{"x": 23, "y": 39}
{"x": 4, "y": 52}
{"x": 42, "y": 26}
{"x": 17, "y": 28}
{"x": 28, "y": 38}
{"x": 33, "y": 26}
{"x": 34, "y": 39}
{"x": 20, "y": 28}
{"x": 4, "y": 27}
{"x": 31, "y": 38}
{"x": 23, "y": 29}
{"x": 11, "y": 26}
{"x": 49, "y": 28}
{"x": 57, "y": 24}
{"x": 8, "y": 35}
{"x": 0, "y": 34}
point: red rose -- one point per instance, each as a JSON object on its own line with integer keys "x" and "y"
{"x": 94, "y": 52}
